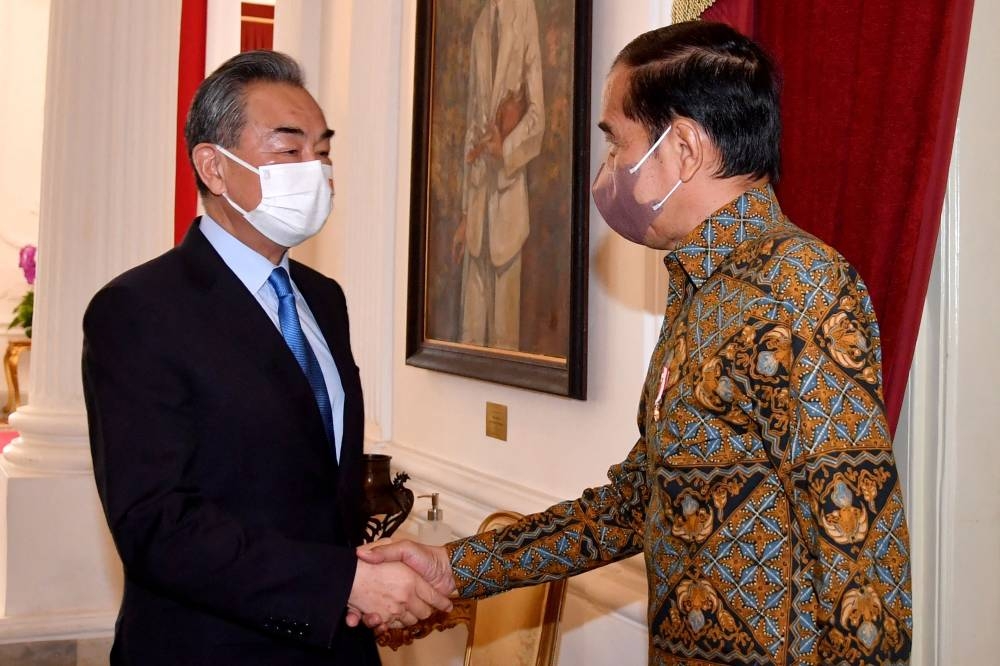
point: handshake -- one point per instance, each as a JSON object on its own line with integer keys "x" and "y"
{"x": 398, "y": 584}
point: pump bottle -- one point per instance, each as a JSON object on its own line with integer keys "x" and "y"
{"x": 434, "y": 532}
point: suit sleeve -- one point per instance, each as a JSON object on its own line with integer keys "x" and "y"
{"x": 170, "y": 535}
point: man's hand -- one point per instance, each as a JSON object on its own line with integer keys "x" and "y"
{"x": 490, "y": 145}
{"x": 392, "y": 593}
{"x": 493, "y": 143}
{"x": 429, "y": 562}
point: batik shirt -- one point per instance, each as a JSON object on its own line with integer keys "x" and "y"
{"x": 762, "y": 489}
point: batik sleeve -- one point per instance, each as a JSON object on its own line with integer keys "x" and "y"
{"x": 604, "y": 525}
{"x": 831, "y": 445}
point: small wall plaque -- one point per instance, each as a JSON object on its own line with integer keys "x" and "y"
{"x": 496, "y": 421}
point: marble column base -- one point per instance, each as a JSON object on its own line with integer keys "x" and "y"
{"x": 87, "y": 652}
{"x": 56, "y": 554}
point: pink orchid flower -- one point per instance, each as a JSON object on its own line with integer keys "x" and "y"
{"x": 27, "y": 262}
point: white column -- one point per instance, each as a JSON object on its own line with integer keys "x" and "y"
{"x": 970, "y": 493}
{"x": 298, "y": 31}
{"x": 222, "y": 40}
{"x": 106, "y": 205}
{"x": 359, "y": 87}
{"x": 374, "y": 135}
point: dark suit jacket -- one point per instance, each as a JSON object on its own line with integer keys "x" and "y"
{"x": 235, "y": 528}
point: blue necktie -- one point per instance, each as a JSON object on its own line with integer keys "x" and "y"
{"x": 291, "y": 330}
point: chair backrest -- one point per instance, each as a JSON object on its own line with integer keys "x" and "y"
{"x": 518, "y": 627}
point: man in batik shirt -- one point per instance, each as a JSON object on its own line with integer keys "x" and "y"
{"x": 762, "y": 490}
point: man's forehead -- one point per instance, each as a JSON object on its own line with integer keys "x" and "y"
{"x": 613, "y": 119}
{"x": 284, "y": 109}
{"x": 615, "y": 87}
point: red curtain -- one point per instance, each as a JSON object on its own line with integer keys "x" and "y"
{"x": 738, "y": 13}
{"x": 190, "y": 72}
{"x": 869, "y": 105}
{"x": 256, "y": 27}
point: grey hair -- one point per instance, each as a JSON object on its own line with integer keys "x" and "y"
{"x": 217, "y": 111}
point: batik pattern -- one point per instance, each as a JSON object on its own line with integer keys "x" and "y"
{"x": 763, "y": 490}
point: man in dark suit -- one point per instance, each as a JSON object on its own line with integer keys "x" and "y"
{"x": 225, "y": 408}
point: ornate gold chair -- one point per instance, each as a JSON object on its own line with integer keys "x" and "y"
{"x": 10, "y": 360}
{"x": 518, "y": 627}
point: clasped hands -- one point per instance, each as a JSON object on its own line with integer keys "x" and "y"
{"x": 399, "y": 583}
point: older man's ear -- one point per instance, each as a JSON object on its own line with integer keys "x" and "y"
{"x": 207, "y": 163}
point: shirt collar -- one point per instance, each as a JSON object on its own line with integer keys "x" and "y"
{"x": 250, "y": 267}
{"x": 708, "y": 246}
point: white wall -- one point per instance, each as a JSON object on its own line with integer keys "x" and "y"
{"x": 24, "y": 39}
{"x": 222, "y": 38}
{"x": 24, "y": 31}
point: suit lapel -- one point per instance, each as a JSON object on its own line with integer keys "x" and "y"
{"x": 227, "y": 307}
{"x": 482, "y": 59}
{"x": 330, "y": 312}
{"x": 504, "y": 54}
{"x": 326, "y": 312}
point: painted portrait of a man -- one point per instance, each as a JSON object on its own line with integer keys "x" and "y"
{"x": 500, "y": 176}
{"x": 505, "y": 124}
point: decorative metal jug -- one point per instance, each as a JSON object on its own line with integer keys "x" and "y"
{"x": 387, "y": 503}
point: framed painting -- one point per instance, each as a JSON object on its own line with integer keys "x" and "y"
{"x": 501, "y": 192}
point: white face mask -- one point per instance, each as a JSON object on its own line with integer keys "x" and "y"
{"x": 295, "y": 199}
